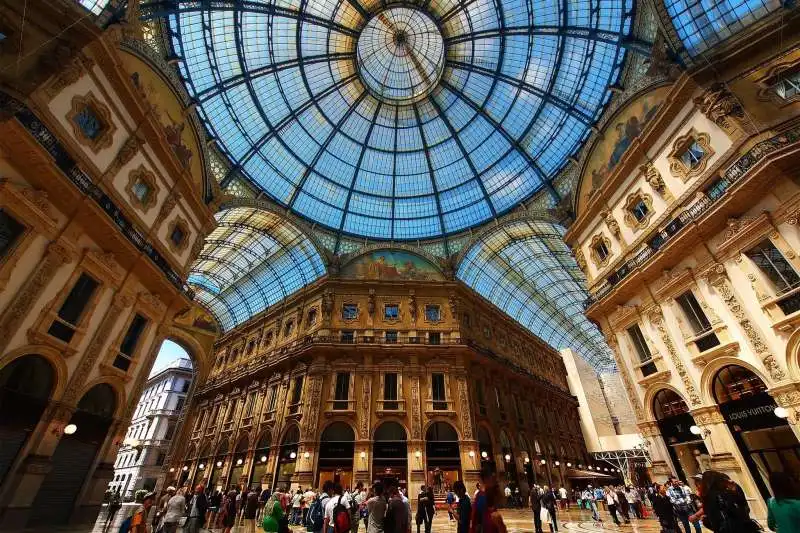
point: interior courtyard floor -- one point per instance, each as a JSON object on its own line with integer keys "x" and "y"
{"x": 517, "y": 521}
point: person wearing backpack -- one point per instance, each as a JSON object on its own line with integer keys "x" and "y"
{"x": 337, "y": 512}
{"x": 398, "y": 517}
{"x": 114, "y": 505}
{"x": 315, "y": 518}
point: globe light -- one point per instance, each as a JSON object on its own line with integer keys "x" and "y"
{"x": 172, "y": 469}
{"x": 70, "y": 429}
{"x": 779, "y": 411}
{"x": 201, "y": 466}
{"x": 527, "y": 460}
{"x": 238, "y": 462}
{"x": 696, "y": 430}
{"x": 507, "y": 457}
{"x": 363, "y": 455}
{"x": 293, "y": 455}
{"x": 219, "y": 464}
{"x": 185, "y": 468}
{"x": 484, "y": 454}
{"x": 417, "y": 454}
{"x": 472, "y": 454}
{"x": 306, "y": 455}
{"x": 543, "y": 462}
{"x": 263, "y": 458}
{"x": 569, "y": 465}
{"x": 558, "y": 464}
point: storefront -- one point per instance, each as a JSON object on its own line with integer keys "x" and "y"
{"x": 510, "y": 464}
{"x": 287, "y": 459}
{"x": 686, "y": 450}
{"x": 486, "y": 448}
{"x": 336, "y": 449}
{"x": 443, "y": 460}
{"x": 258, "y": 469}
{"x": 390, "y": 453}
{"x": 765, "y": 440}
{"x": 237, "y": 467}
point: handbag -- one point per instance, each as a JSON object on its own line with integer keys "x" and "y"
{"x": 544, "y": 515}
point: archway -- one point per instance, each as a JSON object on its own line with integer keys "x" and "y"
{"x": 237, "y": 464}
{"x": 74, "y": 455}
{"x": 485, "y": 446}
{"x": 443, "y": 458}
{"x": 217, "y": 466}
{"x": 258, "y": 471}
{"x": 287, "y": 458}
{"x": 26, "y": 385}
{"x": 390, "y": 453}
{"x": 765, "y": 440}
{"x": 527, "y": 460}
{"x": 507, "y": 451}
{"x": 336, "y": 449}
{"x": 675, "y": 422}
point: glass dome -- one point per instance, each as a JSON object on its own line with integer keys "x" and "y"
{"x": 399, "y": 120}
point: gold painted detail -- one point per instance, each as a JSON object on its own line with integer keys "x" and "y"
{"x": 630, "y": 202}
{"x": 681, "y": 144}
{"x": 136, "y": 178}
{"x": 100, "y": 114}
{"x": 720, "y": 106}
{"x": 657, "y": 319}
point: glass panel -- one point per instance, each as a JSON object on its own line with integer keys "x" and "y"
{"x": 349, "y": 311}
{"x": 438, "y": 392}
{"x": 342, "y": 392}
{"x": 693, "y": 312}
{"x": 433, "y": 313}
{"x": 10, "y": 231}
{"x": 639, "y": 343}
{"x": 390, "y": 391}
{"x": 89, "y": 123}
{"x": 391, "y": 312}
{"x": 771, "y": 261}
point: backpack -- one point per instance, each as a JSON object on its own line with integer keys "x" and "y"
{"x": 125, "y": 526}
{"x": 316, "y": 514}
{"x": 341, "y": 517}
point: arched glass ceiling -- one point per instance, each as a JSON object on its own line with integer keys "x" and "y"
{"x": 95, "y": 6}
{"x": 526, "y": 270}
{"x": 703, "y": 23}
{"x": 252, "y": 260}
{"x": 419, "y": 144}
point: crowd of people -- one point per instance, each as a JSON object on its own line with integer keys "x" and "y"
{"x": 716, "y": 503}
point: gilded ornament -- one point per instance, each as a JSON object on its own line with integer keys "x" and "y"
{"x": 720, "y": 105}
{"x": 657, "y": 319}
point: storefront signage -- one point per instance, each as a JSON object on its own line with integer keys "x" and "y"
{"x": 754, "y": 412}
{"x": 390, "y": 450}
{"x": 677, "y": 429}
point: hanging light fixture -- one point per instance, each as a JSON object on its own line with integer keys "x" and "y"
{"x": 263, "y": 458}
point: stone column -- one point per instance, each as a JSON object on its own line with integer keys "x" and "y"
{"x": 662, "y": 466}
{"x": 718, "y": 279}
{"x": 788, "y": 397}
{"x": 361, "y": 466}
{"x": 313, "y": 407}
{"x": 416, "y": 444}
{"x": 657, "y": 319}
{"x": 20, "y": 306}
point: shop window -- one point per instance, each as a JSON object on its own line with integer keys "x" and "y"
{"x": 642, "y": 350}
{"x": 701, "y": 327}
{"x": 736, "y": 383}
{"x": 349, "y": 312}
{"x": 129, "y": 343}
{"x": 690, "y": 154}
{"x": 391, "y": 337}
{"x": 70, "y": 312}
{"x": 10, "y": 232}
{"x": 434, "y": 337}
{"x": 391, "y": 312}
{"x": 297, "y": 392}
{"x": 438, "y": 394}
{"x": 342, "y": 391}
{"x": 347, "y": 337}
{"x": 390, "y": 394}
{"x": 780, "y": 272}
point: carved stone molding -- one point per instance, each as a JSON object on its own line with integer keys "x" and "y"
{"x": 463, "y": 400}
{"x": 416, "y": 414}
{"x": 611, "y": 223}
{"x": 312, "y": 407}
{"x": 626, "y": 378}
{"x": 366, "y": 399}
{"x": 142, "y": 175}
{"x": 718, "y": 279}
{"x": 630, "y": 202}
{"x": 56, "y": 256}
{"x": 657, "y": 319}
{"x": 676, "y": 165}
{"x": 649, "y": 428}
{"x": 167, "y": 207}
{"x": 653, "y": 177}
{"x": 577, "y": 252}
{"x": 105, "y": 135}
{"x": 70, "y": 74}
{"x": 178, "y": 223}
{"x": 720, "y": 106}
{"x": 596, "y": 259}
{"x": 705, "y": 416}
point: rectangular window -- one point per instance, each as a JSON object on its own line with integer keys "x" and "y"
{"x": 391, "y": 312}
{"x": 63, "y": 327}
{"x": 390, "y": 391}
{"x": 231, "y": 411}
{"x": 347, "y": 337}
{"x": 179, "y": 404}
{"x": 433, "y": 313}
{"x": 639, "y": 210}
{"x": 693, "y": 154}
{"x": 517, "y": 410}
{"x": 10, "y": 232}
{"x": 639, "y": 343}
{"x": 787, "y": 86}
{"x": 297, "y": 392}
{"x": 342, "y": 392}
{"x": 481, "y": 397}
{"x": 434, "y": 337}
{"x": 500, "y": 407}
{"x": 771, "y": 261}
{"x": 601, "y": 250}
{"x": 128, "y": 346}
{"x": 349, "y": 311}
{"x": 248, "y": 406}
{"x": 438, "y": 392}
{"x": 272, "y": 398}
{"x": 391, "y": 337}
{"x": 693, "y": 312}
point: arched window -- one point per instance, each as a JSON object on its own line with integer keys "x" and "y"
{"x": 441, "y": 432}
{"x": 338, "y": 432}
{"x": 734, "y": 382}
{"x": 390, "y": 431}
{"x": 668, "y": 403}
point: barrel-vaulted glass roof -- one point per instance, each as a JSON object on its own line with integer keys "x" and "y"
{"x": 398, "y": 120}
{"x": 253, "y": 259}
{"x": 527, "y": 271}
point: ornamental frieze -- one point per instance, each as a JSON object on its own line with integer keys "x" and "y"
{"x": 657, "y": 319}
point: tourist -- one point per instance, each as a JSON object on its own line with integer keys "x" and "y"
{"x": 450, "y": 500}
{"x": 308, "y": 499}
{"x": 426, "y": 508}
{"x": 725, "y": 505}
{"x": 114, "y": 505}
{"x": 398, "y": 516}
{"x": 611, "y": 502}
{"x": 227, "y": 513}
{"x": 138, "y": 522}
{"x": 297, "y": 500}
{"x": 357, "y": 506}
{"x": 681, "y": 501}
{"x": 250, "y": 511}
{"x": 495, "y": 519}
{"x": 549, "y": 500}
{"x": 480, "y": 517}
{"x": 273, "y": 514}
{"x": 463, "y": 507}
{"x": 376, "y": 509}
{"x": 783, "y": 515}
{"x": 315, "y": 518}
{"x": 507, "y": 493}
{"x": 663, "y": 509}
{"x": 622, "y": 503}
{"x": 477, "y": 490}
{"x": 173, "y": 511}
{"x": 563, "y": 498}
{"x": 336, "y": 504}
{"x": 536, "y": 507}
{"x": 198, "y": 506}
{"x": 634, "y": 501}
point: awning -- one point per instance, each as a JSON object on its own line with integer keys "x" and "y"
{"x": 574, "y": 473}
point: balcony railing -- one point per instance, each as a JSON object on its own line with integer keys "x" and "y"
{"x": 379, "y": 339}
{"x": 164, "y": 412}
{"x": 711, "y": 195}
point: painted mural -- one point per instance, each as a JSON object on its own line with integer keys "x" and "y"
{"x": 617, "y": 136}
{"x": 391, "y": 265}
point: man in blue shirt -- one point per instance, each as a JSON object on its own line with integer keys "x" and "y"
{"x": 464, "y": 507}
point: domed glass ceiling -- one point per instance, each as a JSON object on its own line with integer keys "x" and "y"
{"x": 398, "y": 120}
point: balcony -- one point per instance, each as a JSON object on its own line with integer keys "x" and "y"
{"x": 340, "y": 407}
{"x": 440, "y": 407}
{"x": 709, "y": 197}
{"x": 268, "y": 416}
{"x": 390, "y": 407}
